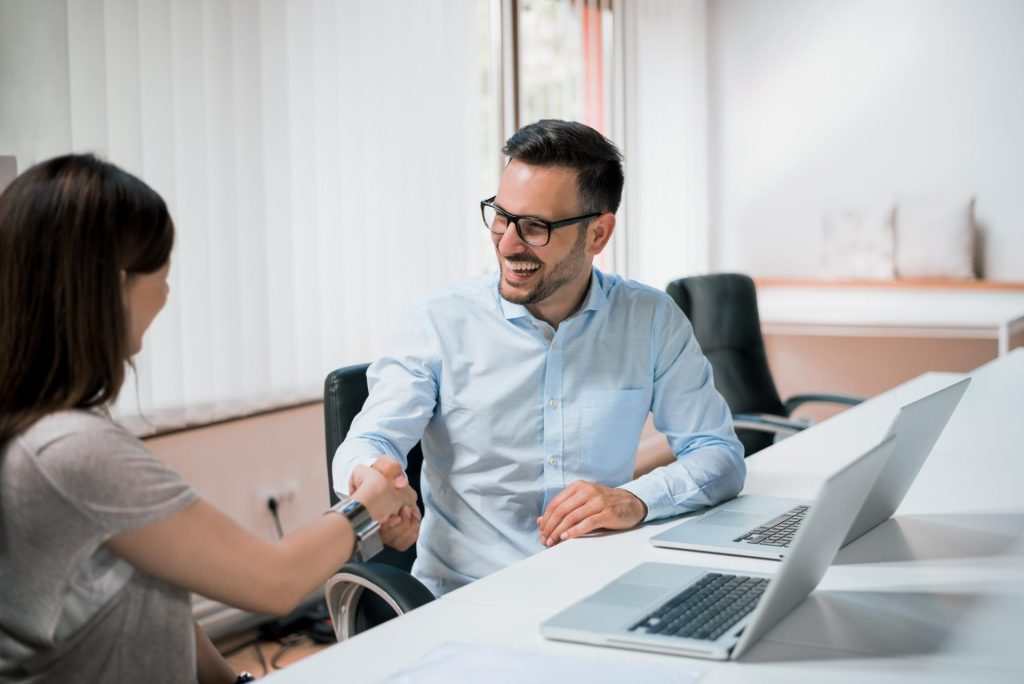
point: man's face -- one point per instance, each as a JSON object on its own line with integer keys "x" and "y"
{"x": 529, "y": 274}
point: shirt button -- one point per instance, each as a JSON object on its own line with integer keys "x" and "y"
{"x": 552, "y": 403}
{"x": 554, "y": 346}
{"x": 553, "y": 460}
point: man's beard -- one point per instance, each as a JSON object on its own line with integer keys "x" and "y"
{"x": 561, "y": 274}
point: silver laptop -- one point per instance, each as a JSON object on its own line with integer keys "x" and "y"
{"x": 763, "y": 526}
{"x": 707, "y": 613}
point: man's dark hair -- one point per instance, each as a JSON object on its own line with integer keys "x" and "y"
{"x": 597, "y": 162}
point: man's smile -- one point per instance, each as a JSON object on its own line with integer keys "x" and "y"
{"x": 519, "y": 271}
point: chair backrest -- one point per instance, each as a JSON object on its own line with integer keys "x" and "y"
{"x": 345, "y": 392}
{"x": 723, "y": 310}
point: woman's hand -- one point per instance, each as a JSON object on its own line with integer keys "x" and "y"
{"x": 383, "y": 489}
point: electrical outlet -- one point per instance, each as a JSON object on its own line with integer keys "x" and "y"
{"x": 289, "y": 492}
{"x": 285, "y": 492}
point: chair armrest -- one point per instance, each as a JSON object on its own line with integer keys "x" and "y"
{"x": 397, "y": 588}
{"x": 795, "y": 401}
{"x": 766, "y": 422}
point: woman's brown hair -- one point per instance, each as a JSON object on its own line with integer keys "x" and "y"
{"x": 69, "y": 228}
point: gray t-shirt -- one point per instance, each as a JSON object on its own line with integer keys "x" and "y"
{"x": 70, "y": 610}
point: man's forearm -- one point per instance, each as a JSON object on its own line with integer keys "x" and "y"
{"x": 701, "y": 478}
{"x": 354, "y": 451}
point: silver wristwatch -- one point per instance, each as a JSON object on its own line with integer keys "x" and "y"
{"x": 367, "y": 530}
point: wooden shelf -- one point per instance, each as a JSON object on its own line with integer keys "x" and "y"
{"x": 943, "y": 309}
{"x": 902, "y": 284}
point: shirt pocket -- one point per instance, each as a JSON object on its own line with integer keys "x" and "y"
{"x": 610, "y": 423}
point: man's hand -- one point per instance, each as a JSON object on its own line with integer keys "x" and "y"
{"x": 583, "y": 507}
{"x": 399, "y": 531}
{"x": 384, "y": 490}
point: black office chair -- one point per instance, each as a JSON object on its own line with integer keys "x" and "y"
{"x": 363, "y": 595}
{"x": 723, "y": 310}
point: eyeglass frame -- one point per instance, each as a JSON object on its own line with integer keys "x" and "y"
{"x": 514, "y": 220}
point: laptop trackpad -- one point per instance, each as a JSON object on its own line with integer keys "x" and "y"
{"x": 730, "y": 519}
{"x": 626, "y": 594}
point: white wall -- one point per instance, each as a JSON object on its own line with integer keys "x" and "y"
{"x": 34, "y": 98}
{"x": 237, "y": 465}
{"x": 862, "y": 102}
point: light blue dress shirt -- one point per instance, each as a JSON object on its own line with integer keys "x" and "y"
{"x": 510, "y": 411}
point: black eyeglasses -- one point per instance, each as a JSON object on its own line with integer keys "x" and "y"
{"x": 533, "y": 231}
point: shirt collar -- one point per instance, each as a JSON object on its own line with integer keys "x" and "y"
{"x": 597, "y": 298}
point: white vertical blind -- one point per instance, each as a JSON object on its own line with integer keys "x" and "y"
{"x": 665, "y": 227}
{"x": 322, "y": 162}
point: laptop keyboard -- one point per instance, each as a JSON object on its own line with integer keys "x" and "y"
{"x": 777, "y": 531}
{"x": 707, "y": 608}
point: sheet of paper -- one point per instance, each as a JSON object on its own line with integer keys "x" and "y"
{"x": 455, "y": 663}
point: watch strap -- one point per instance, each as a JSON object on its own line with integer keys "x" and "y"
{"x": 366, "y": 529}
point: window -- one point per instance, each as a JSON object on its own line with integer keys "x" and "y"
{"x": 565, "y": 67}
{"x": 565, "y": 51}
{"x": 324, "y": 161}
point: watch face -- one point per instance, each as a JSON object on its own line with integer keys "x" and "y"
{"x": 351, "y": 508}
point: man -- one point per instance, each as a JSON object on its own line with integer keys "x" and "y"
{"x": 529, "y": 388}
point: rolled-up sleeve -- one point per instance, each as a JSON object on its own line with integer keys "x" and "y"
{"x": 403, "y": 394}
{"x": 690, "y": 412}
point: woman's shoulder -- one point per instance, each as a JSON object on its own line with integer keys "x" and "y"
{"x": 76, "y": 446}
{"x": 89, "y": 459}
{"x": 80, "y": 428}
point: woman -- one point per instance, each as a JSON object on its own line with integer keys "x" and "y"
{"x": 100, "y": 541}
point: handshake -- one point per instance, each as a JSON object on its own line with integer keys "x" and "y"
{"x": 385, "y": 492}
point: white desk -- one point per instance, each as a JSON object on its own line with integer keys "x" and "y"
{"x": 892, "y": 312}
{"x": 935, "y": 594}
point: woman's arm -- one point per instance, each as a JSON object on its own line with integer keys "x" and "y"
{"x": 205, "y": 551}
